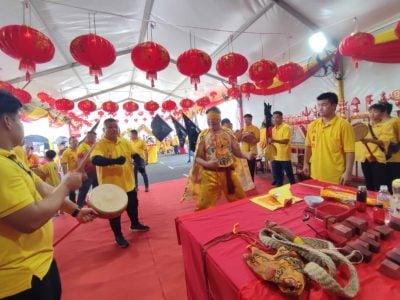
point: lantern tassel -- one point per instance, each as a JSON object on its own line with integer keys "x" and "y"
{"x": 27, "y": 76}
{"x": 96, "y": 79}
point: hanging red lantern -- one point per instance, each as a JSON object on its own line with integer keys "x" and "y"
{"x": 168, "y": 105}
{"x": 43, "y": 97}
{"x": 186, "y": 103}
{"x": 397, "y": 30}
{"x": 100, "y": 113}
{"x": 233, "y": 92}
{"x": 203, "y": 101}
{"x": 290, "y": 72}
{"x": 263, "y": 84}
{"x": 110, "y": 107}
{"x": 6, "y": 86}
{"x": 126, "y": 121}
{"x": 135, "y": 119}
{"x": 26, "y": 44}
{"x": 263, "y": 70}
{"x": 93, "y": 51}
{"x": 87, "y": 106}
{"x": 232, "y": 65}
{"x": 151, "y": 106}
{"x": 247, "y": 88}
{"x": 23, "y": 96}
{"x": 64, "y": 105}
{"x": 356, "y": 45}
{"x": 193, "y": 63}
{"x": 144, "y": 119}
{"x": 130, "y": 107}
{"x": 151, "y": 58}
{"x": 140, "y": 113}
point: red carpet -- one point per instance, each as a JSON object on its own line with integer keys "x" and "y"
{"x": 93, "y": 267}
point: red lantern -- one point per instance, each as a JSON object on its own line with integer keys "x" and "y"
{"x": 397, "y": 30}
{"x": 130, "y": 107}
{"x": 26, "y": 44}
{"x": 87, "y": 106}
{"x": 263, "y": 70}
{"x": 144, "y": 119}
{"x": 100, "y": 113}
{"x": 94, "y": 52}
{"x": 356, "y": 45}
{"x": 233, "y": 92}
{"x": 193, "y": 63}
{"x": 110, "y": 106}
{"x": 140, "y": 113}
{"x": 186, "y": 103}
{"x": 63, "y": 105}
{"x": 6, "y": 86}
{"x": 263, "y": 84}
{"x": 168, "y": 105}
{"x": 232, "y": 65}
{"x": 151, "y": 106}
{"x": 247, "y": 88}
{"x": 135, "y": 119}
{"x": 23, "y": 96}
{"x": 151, "y": 58}
{"x": 203, "y": 102}
{"x": 290, "y": 72}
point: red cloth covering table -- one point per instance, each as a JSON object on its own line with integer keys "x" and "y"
{"x": 228, "y": 275}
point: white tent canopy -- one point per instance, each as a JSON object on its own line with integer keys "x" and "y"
{"x": 271, "y": 29}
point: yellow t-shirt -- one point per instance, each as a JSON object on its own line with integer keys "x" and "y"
{"x": 22, "y": 255}
{"x": 383, "y": 135}
{"x": 329, "y": 143}
{"x": 120, "y": 175}
{"x": 50, "y": 170}
{"x": 21, "y": 155}
{"x": 139, "y": 147}
{"x": 393, "y": 127}
{"x": 246, "y": 147}
{"x": 70, "y": 158}
{"x": 282, "y": 132}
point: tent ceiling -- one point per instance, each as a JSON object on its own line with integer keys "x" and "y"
{"x": 257, "y": 28}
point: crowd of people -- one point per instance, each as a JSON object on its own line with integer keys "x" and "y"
{"x": 32, "y": 193}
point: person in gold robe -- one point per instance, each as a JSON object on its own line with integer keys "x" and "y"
{"x": 214, "y": 162}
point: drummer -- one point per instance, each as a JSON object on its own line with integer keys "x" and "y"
{"x": 329, "y": 146}
{"x": 281, "y": 137}
{"x": 112, "y": 157}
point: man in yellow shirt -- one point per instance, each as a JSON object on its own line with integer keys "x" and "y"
{"x": 112, "y": 157}
{"x": 392, "y": 125}
{"x": 329, "y": 145}
{"x": 281, "y": 137}
{"x": 27, "y": 266}
{"x": 50, "y": 169}
{"x": 249, "y": 138}
{"x": 90, "y": 170}
{"x": 69, "y": 161}
{"x": 140, "y": 159}
{"x": 226, "y": 123}
{"x": 375, "y": 143}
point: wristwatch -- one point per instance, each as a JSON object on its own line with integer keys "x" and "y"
{"x": 76, "y": 212}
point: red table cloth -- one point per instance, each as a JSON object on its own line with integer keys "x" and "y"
{"x": 229, "y": 277}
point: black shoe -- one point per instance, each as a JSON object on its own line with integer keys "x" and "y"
{"x": 273, "y": 183}
{"x": 146, "y": 189}
{"x": 123, "y": 243}
{"x": 139, "y": 227}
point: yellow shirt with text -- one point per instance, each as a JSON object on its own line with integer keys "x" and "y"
{"x": 329, "y": 144}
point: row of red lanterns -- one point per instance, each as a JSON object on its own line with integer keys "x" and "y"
{"x": 30, "y": 47}
{"x": 23, "y": 96}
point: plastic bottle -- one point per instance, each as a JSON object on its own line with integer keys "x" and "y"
{"x": 361, "y": 203}
{"x": 379, "y": 214}
{"x": 383, "y": 198}
{"x": 395, "y": 202}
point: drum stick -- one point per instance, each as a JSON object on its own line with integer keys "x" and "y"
{"x": 66, "y": 234}
{"x": 82, "y": 163}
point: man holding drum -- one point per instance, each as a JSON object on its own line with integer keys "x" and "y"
{"x": 329, "y": 144}
{"x": 27, "y": 267}
{"x": 112, "y": 157}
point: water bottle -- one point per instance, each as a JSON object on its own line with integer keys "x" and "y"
{"x": 395, "y": 203}
{"x": 383, "y": 198}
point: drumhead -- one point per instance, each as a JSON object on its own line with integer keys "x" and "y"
{"x": 360, "y": 131}
{"x": 270, "y": 152}
{"x": 108, "y": 200}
